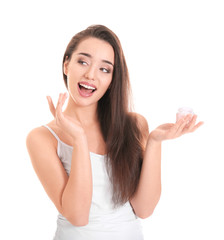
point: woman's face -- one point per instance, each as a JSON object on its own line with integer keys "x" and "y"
{"x": 89, "y": 71}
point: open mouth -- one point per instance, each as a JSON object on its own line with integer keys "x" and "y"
{"x": 86, "y": 90}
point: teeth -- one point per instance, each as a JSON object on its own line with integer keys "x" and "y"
{"x": 86, "y": 86}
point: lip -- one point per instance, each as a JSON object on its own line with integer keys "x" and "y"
{"x": 85, "y": 95}
{"x": 88, "y": 84}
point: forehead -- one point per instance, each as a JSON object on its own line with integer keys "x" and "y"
{"x": 97, "y": 48}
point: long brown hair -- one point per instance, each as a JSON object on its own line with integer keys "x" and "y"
{"x": 119, "y": 127}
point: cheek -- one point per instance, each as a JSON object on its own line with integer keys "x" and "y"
{"x": 105, "y": 86}
{"x": 107, "y": 81}
{"x": 72, "y": 85}
{"x": 73, "y": 76}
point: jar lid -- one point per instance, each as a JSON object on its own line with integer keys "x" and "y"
{"x": 185, "y": 110}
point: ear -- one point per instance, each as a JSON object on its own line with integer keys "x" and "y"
{"x": 66, "y": 62}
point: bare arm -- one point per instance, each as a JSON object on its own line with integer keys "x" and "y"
{"x": 77, "y": 195}
{"x": 149, "y": 189}
{"x": 71, "y": 195}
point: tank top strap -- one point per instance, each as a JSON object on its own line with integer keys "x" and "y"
{"x": 55, "y": 135}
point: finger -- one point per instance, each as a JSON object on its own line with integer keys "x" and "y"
{"x": 59, "y": 101}
{"x": 64, "y": 97}
{"x": 174, "y": 129}
{"x": 51, "y": 105}
{"x": 197, "y": 126}
{"x": 191, "y": 124}
{"x": 178, "y": 124}
{"x": 184, "y": 123}
{"x": 59, "y": 115}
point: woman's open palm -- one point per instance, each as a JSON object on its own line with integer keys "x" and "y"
{"x": 69, "y": 125}
{"x": 174, "y": 130}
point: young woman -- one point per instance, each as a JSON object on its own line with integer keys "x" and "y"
{"x": 97, "y": 160}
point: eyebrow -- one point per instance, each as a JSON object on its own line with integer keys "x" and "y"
{"x": 88, "y": 55}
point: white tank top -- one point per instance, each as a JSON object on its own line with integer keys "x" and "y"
{"x": 105, "y": 221}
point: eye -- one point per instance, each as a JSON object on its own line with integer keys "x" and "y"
{"x": 105, "y": 70}
{"x": 82, "y": 62}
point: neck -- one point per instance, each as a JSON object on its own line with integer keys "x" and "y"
{"x": 87, "y": 115}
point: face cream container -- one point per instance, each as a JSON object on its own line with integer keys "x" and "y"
{"x": 184, "y": 111}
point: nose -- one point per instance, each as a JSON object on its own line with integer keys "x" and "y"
{"x": 90, "y": 73}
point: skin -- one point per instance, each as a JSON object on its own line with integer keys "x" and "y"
{"x": 78, "y": 126}
{"x": 80, "y": 117}
{"x": 149, "y": 189}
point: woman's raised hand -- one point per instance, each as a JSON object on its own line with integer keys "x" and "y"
{"x": 175, "y": 130}
{"x": 69, "y": 125}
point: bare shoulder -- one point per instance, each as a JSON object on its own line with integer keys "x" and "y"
{"x": 40, "y": 136}
{"x": 142, "y": 125}
{"x": 141, "y": 121}
{"x": 42, "y": 148}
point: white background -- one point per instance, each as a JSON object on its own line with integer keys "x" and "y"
{"x": 175, "y": 54}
